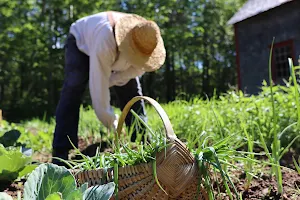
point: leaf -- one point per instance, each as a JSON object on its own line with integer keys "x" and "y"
{"x": 75, "y": 195}
{"x": 84, "y": 187}
{"x": 10, "y": 138}
{"x": 54, "y": 196}
{"x": 4, "y": 196}
{"x": 26, "y": 170}
{"x": 47, "y": 179}
{"x": 12, "y": 162}
{"x": 100, "y": 192}
{"x": 297, "y": 166}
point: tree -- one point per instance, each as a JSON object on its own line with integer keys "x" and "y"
{"x": 199, "y": 43}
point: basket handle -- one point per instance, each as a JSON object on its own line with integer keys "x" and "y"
{"x": 167, "y": 124}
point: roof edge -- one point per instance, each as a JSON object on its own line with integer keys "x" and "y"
{"x": 240, "y": 16}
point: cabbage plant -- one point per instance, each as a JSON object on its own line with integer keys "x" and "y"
{"x": 52, "y": 182}
{"x": 14, "y": 163}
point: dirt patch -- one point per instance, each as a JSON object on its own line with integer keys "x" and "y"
{"x": 287, "y": 159}
{"x": 14, "y": 188}
{"x": 89, "y": 146}
{"x": 265, "y": 187}
{"x": 41, "y": 157}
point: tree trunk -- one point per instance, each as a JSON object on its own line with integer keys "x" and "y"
{"x": 206, "y": 65}
{"x": 1, "y": 94}
{"x": 182, "y": 85}
{"x": 173, "y": 80}
{"x": 168, "y": 77}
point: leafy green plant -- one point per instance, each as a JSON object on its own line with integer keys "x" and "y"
{"x": 54, "y": 196}
{"x": 296, "y": 88}
{"x": 276, "y": 142}
{"x": 14, "y": 163}
{"x": 51, "y": 182}
{"x": 248, "y": 119}
{"x": 250, "y": 146}
{"x": 35, "y": 134}
{"x": 277, "y": 151}
{"x": 215, "y": 156}
{"x": 10, "y": 138}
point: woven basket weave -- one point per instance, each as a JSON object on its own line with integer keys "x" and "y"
{"x": 177, "y": 170}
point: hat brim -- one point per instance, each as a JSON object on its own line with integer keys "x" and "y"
{"x": 123, "y": 34}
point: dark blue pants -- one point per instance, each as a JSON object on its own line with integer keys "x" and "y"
{"x": 75, "y": 82}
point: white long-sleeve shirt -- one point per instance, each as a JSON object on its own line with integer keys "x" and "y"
{"x": 94, "y": 37}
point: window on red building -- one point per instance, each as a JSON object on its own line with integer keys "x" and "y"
{"x": 280, "y": 67}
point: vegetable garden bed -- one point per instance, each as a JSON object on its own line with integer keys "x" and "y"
{"x": 262, "y": 187}
{"x": 239, "y": 128}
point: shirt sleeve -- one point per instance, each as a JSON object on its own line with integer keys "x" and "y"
{"x": 120, "y": 78}
{"x": 102, "y": 55}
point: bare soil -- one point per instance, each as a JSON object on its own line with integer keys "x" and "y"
{"x": 265, "y": 186}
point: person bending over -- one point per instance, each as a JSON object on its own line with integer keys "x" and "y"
{"x": 105, "y": 49}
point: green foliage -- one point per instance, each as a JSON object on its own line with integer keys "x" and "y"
{"x": 88, "y": 126}
{"x": 35, "y": 134}
{"x": 296, "y": 87}
{"x": 14, "y": 163}
{"x": 127, "y": 155}
{"x": 47, "y": 179}
{"x": 221, "y": 131}
{"x": 54, "y": 196}
{"x": 100, "y": 192}
{"x": 247, "y": 120}
{"x": 232, "y": 113}
{"x": 297, "y": 164}
{"x": 199, "y": 43}
{"x": 52, "y": 182}
{"x": 10, "y": 138}
{"x": 210, "y": 156}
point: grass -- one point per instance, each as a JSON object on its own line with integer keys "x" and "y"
{"x": 220, "y": 132}
{"x": 276, "y": 143}
{"x": 198, "y": 121}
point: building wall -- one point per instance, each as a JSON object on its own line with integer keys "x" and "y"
{"x": 254, "y": 37}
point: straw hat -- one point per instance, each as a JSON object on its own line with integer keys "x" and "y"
{"x": 141, "y": 42}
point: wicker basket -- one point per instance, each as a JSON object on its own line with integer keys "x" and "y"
{"x": 177, "y": 170}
